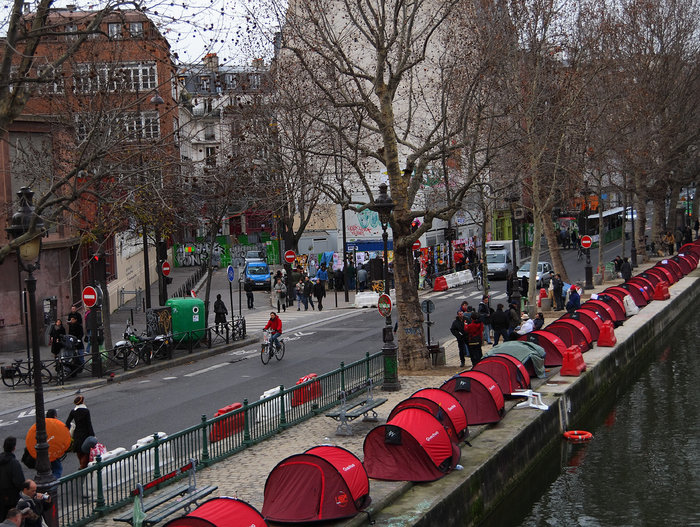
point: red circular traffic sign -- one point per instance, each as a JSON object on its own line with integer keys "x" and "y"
{"x": 586, "y": 241}
{"x": 289, "y": 256}
{"x": 416, "y": 245}
{"x": 384, "y": 305}
{"x": 89, "y": 296}
{"x": 165, "y": 268}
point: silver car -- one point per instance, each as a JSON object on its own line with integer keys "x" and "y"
{"x": 543, "y": 269}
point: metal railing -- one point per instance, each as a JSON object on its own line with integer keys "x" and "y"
{"x": 107, "y": 485}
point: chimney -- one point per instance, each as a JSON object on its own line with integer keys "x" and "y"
{"x": 211, "y": 62}
{"x": 258, "y": 64}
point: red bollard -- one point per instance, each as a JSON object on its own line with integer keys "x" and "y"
{"x": 440, "y": 284}
{"x": 309, "y": 392}
{"x": 607, "y": 335}
{"x": 661, "y": 291}
{"x": 543, "y": 294}
{"x": 572, "y": 362}
{"x": 226, "y": 427}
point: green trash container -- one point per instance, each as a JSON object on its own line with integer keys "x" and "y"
{"x": 188, "y": 318}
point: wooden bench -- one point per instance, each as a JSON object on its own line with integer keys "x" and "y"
{"x": 351, "y": 408}
{"x": 180, "y": 497}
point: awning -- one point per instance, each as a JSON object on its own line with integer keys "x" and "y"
{"x": 616, "y": 210}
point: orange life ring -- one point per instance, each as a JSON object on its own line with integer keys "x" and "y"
{"x": 578, "y": 436}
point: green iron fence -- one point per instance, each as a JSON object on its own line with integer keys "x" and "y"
{"x": 107, "y": 485}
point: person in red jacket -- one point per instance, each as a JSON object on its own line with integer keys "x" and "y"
{"x": 275, "y": 325}
{"x": 475, "y": 336}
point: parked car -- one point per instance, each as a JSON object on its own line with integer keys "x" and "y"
{"x": 259, "y": 273}
{"x": 255, "y": 256}
{"x": 498, "y": 260}
{"x": 543, "y": 269}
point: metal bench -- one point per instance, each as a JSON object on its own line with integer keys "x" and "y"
{"x": 350, "y": 410}
{"x": 181, "y": 497}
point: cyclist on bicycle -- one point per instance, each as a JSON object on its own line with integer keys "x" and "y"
{"x": 275, "y": 326}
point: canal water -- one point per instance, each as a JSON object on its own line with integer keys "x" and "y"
{"x": 643, "y": 466}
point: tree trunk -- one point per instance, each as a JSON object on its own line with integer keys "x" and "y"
{"x": 641, "y": 221}
{"x": 658, "y": 227}
{"x": 601, "y": 234}
{"x": 534, "y": 258}
{"x": 553, "y": 243}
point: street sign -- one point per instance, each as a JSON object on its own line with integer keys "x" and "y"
{"x": 384, "y": 305}
{"x": 427, "y": 306}
{"x": 165, "y": 268}
{"x": 352, "y": 247}
{"x": 289, "y": 256}
{"x": 586, "y": 241}
{"x": 230, "y": 273}
{"x": 416, "y": 245}
{"x": 89, "y": 296}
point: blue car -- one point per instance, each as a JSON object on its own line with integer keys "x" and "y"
{"x": 258, "y": 273}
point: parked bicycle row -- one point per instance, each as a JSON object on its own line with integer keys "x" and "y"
{"x": 72, "y": 361}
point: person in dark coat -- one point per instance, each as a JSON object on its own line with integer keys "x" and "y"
{"x": 13, "y": 518}
{"x": 75, "y": 328}
{"x": 475, "y": 338}
{"x": 574, "y": 300}
{"x": 11, "y": 476}
{"x": 32, "y": 504}
{"x": 513, "y": 320}
{"x": 83, "y": 429}
{"x": 457, "y": 329}
{"x": 626, "y": 269}
{"x": 55, "y": 336}
{"x": 319, "y": 293}
{"x": 558, "y": 287}
{"x": 220, "y": 313}
{"x": 499, "y": 324}
{"x": 248, "y": 288}
{"x": 308, "y": 294}
{"x": 538, "y": 323}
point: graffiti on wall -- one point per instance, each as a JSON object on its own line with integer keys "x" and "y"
{"x": 363, "y": 224}
{"x": 237, "y": 253}
{"x": 197, "y": 253}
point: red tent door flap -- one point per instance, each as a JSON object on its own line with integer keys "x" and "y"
{"x": 298, "y": 491}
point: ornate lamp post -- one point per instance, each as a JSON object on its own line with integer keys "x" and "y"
{"x": 383, "y": 206}
{"x": 28, "y": 256}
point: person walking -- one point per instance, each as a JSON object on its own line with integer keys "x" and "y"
{"x": 32, "y": 504}
{"x": 281, "y": 292}
{"x": 499, "y": 324}
{"x": 80, "y": 415}
{"x": 75, "y": 313}
{"x": 299, "y": 290}
{"x": 513, "y": 320}
{"x": 308, "y": 294}
{"x": 626, "y": 269}
{"x": 362, "y": 277}
{"x": 457, "y": 329}
{"x": 475, "y": 338}
{"x": 248, "y": 288}
{"x": 11, "y": 476}
{"x": 322, "y": 274}
{"x": 319, "y": 293}
{"x": 484, "y": 311}
{"x": 56, "y": 337}
{"x": 220, "y": 313}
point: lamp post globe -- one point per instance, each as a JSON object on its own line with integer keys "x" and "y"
{"x": 26, "y": 221}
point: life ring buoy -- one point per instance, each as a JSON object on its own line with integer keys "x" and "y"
{"x": 578, "y": 436}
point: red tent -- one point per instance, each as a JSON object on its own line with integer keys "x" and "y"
{"x": 323, "y": 483}
{"x": 588, "y": 318}
{"x": 601, "y": 309}
{"x": 653, "y": 279}
{"x": 220, "y": 512}
{"x": 684, "y": 264}
{"x": 479, "y": 395}
{"x": 639, "y": 298}
{"x": 450, "y": 405}
{"x": 672, "y": 267}
{"x": 553, "y": 346}
{"x": 693, "y": 248}
{"x": 643, "y": 284}
{"x": 664, "y": 274}
{"x": 413, "y": 446}
{"x": 692, "y": 258}
{"x": 614, "y": 304}
{"x": 571, "y": 332}
{"x": 507, "y": 371}
{"x": 433, "y": 408}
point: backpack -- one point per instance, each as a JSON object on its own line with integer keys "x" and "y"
{"x": 484, "y": 313}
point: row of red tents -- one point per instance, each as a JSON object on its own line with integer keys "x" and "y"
{"x": 421, "y": 438}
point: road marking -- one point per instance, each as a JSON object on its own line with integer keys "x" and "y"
{"x": 27, "y": 413}
{"x": 169, "y": 378}
{"x": 8, "y": 423}
{"x": 205, "y": 370}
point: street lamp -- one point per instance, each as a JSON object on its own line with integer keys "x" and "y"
{"x": 28, "y": 256}
{"x": 383, "y": 206}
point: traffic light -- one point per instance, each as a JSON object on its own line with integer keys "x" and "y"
{"x": 415, "y": 224}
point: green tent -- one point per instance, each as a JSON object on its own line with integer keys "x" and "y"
{"x": 530, "y": 354}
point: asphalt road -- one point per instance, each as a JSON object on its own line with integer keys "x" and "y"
{"x": 175, "y": 398}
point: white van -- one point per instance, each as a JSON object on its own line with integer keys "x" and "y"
{"x": 498, "y": 261}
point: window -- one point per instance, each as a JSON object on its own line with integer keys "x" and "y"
{"x": 136, "y": 29}
{"x": 72, "y": 32}
{"x": 54, "y": 81}
{"x": 114, "y": 30}
{"x": 204, "y": 83}
{"x": 254, "y": 82}
{"x": 127, "y": 76}
{"x": 145, "y": 125}
{"x": 210, "y": 159}
{"x": 209, "y": 134}
{"x": 231, "y": 82}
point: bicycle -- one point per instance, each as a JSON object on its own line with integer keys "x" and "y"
{"x": 267, "y": 351}
{"x": 126, "y": 351}
{"x": 21, "y": 371}
{"x": 478, "y": 279}
{"x": 579, "y": 253}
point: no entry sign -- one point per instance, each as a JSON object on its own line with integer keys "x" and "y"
{"x": 384, "y": 305}
{"x": 165, "y": 268}
{"x": 289, "y": 256}
{"x": 586, "y": 242}
{"x": 416, "y": 245}
{"x": 89, "y": 296}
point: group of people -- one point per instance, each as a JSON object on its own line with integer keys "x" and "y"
{"x": 569, "y": 239}
{"x": 57, "y": 339}
{"x": 306, "y": 290}
{"x": 19, "y": 499}
{"x": 472, "y": 327}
